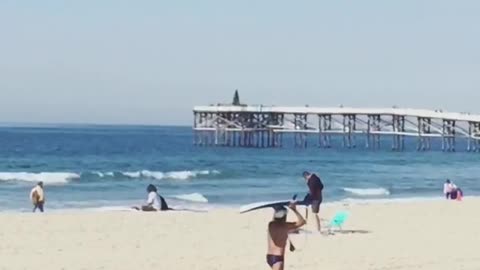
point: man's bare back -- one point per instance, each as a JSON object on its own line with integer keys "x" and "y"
{"x": 278, "y": 231}
{"x": 278, "y": 236}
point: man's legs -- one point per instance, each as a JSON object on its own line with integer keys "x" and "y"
{"x": 40, "y": 206}
{"x": 316, "y": 210}
{"x": 35, "y": 206}
{"x": 278, "y": 266}
{"x": 319, "y": 226}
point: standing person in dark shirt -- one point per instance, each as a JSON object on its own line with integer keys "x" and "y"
{"x": 314, "y": 196}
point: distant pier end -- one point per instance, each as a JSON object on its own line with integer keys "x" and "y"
{"x": 265, "y": 126}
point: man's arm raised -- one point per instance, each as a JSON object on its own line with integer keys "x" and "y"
{"x": 300, "y": 220}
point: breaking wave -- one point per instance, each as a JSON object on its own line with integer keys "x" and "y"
{"x": 174, "y": 175}
{"x": 65, "y": 177}
{"x": 368, "y": 191}
{"x": 194, "y": 197}
{"x": 46, "y": 177}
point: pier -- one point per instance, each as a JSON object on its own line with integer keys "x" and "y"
{"x": 237, "y": 125}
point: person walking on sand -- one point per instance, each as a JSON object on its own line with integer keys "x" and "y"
{"x": 37, "y": 196}
{"x": 314, "y": 197}
{"x": 278, "y": 230}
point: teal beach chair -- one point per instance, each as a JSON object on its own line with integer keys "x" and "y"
{"x": 337, "y": 221}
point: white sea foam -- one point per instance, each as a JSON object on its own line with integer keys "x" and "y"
{"x": 151, "y": 174}
{"x": 65, "y": 177}
{"x": 174, "y": 175}
{"x": 183, "y": 175}
{"x": 368, "y": 191}
{"x": 132, "y": 174}
{"x": 46, "y": 177}
{"x": 100, "y": 174}
{"x": 110, "y": 209}
{"x": 193, "y": 197}
{"x": 354, "y": 201}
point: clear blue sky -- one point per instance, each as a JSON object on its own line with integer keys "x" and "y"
{"x": 150, "y": 62}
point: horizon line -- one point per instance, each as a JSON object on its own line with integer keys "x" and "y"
{"x": 67, "y": 124}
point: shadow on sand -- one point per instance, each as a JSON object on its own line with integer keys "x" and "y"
{"x": 333, "y": 232}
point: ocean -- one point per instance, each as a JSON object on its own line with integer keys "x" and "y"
{"x": 101, "y": 168}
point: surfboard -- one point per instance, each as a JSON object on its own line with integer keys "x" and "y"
{"x": 260, "y": 205}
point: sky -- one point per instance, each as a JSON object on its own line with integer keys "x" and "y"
{"x": 151, "y": 62}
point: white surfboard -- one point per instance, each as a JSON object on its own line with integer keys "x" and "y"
{"x": 260, "y": 205}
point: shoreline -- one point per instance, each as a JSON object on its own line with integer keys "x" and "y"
{"x": 211, "y": 207}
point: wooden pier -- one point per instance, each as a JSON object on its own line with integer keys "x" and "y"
{"x": 265, "y": 127}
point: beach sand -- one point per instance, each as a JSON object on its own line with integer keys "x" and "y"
{"x": 436, "y": 235}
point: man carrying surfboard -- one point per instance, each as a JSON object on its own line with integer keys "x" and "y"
{"x": 37, "y": 196}
{"x": 278, "y": 230}
{"x": 314, "y": 197}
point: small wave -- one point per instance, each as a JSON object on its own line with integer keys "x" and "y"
{"x": 110, "y": 209}
{"x": 132, "y": 174}
{"x": 99, "y": 174}
{"x": 174, "y": 175}
{"x": 356, "y": 201}
{"x": 194, "y": 197}
{"x": 367, "y": 191}
{"x": 46, "y": 177}
{"x": 65, "y": 177}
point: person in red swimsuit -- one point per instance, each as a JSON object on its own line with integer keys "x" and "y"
{"x": 314, "y": 197}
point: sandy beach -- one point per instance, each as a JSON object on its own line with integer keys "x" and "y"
{"x": 422, "y": 235}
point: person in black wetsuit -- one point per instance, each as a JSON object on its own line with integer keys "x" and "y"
{"x": 314, "y": 196}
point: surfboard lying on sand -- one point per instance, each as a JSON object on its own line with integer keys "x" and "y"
{"x": 260, "y": 205}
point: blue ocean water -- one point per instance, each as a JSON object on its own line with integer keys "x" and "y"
{"x": 104, "y": 167}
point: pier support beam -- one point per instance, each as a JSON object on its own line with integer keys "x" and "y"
{"x": 398, "y": 128}
{"x": 424, "y": 131}
{"x": 325, "y": 129}
{"x": 278, "y": 136}
{"x": 448, "y": 135}
{"x": 352, "y": 127}
{"x": 373, "y": 127}
{"x": 300, "y": 137}
{"x": 349, "y": 125}
{"x": 321, "y": 130}
{"x": 476, "y": 133}
{"x": 195, "y": 132}
{"x": 401, "y": 125}
{"x": 470, "y": 135}
{"x": 475, "y": 137}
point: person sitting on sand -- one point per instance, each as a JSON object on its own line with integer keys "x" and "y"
{"x": 448, "y": 187}
{"x": 314, "y": 197}
{"x": 37, "y": 196}
{"x": 456, "y": 193}
{"x": 155, "y": 202}
{"x": 278, "y": 230}
{"x": 459, "y": 192}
